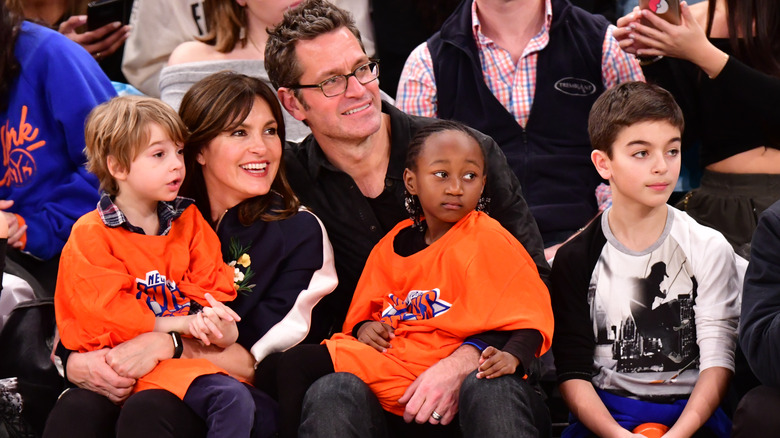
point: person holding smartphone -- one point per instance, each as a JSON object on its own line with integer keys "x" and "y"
{"x": 727, "y": 80}
{"x": 66, "y": 17}
{"x": 626, "y": 6}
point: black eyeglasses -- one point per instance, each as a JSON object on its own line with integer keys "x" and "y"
{"x": 337, "y": 85}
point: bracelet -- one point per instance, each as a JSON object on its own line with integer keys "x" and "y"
{"x": 178, "y": 346}
{"x": 644, "y": 61}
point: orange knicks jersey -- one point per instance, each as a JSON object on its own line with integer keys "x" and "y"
{"x": 113, "y": 283}
{"x": 475, "y": 278}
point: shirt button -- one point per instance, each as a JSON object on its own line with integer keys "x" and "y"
{"x": 372, "y": 228}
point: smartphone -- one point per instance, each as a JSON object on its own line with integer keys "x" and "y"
{"x": 102, "y": 12}
{"x": 669, "y": 10}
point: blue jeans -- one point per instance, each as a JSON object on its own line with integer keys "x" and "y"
{"x": 342, "y": 405}
{"x": 503, "y": 407}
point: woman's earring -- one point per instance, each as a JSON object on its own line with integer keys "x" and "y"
{"x": 483, "y": 203}
{"x": 413, "y": 208}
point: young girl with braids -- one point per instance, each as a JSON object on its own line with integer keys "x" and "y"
{"x": 448, "y": 273}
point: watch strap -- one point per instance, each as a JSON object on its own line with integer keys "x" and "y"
{"x": 178, "y": 346}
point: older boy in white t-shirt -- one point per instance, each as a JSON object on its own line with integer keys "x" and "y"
{"x": 645, "y": 299}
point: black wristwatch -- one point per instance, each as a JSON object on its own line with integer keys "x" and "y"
{"x": 178, "y": 346}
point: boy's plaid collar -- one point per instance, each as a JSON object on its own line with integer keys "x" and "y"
{"x": 113, "y": 217}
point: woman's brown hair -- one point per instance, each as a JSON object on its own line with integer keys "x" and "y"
{"x": 224, "y": 19}
{"x": 754, "y": 32}
{"x": 219, "y": 103}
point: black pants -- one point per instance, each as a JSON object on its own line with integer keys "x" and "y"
{"x": 80, "y": 413}
{"x": 45, "y": 272}
{"x": 756, "y": 415}
{"x": 731, "y": 203}
{"x": 287, "y": 376}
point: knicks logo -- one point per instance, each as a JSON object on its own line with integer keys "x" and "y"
{"x": 163, "y": 297}
{"x": 418, "y": 305}
{"x": 658, "y": 6}
{"x": 17, "y": 144}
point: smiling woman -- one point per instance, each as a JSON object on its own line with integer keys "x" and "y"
{"x": 235, "y": 154}
{"x": 236, "y": 176}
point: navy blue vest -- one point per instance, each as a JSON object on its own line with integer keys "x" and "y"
{"x": 551, "y": 156}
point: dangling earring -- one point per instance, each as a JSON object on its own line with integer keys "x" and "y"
{"x": 482, "y": 204}
{"x": 414, "y": 209}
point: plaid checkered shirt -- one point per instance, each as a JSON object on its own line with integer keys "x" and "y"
{"x": 513, "y": 84}
{"x": 113, "y": 217}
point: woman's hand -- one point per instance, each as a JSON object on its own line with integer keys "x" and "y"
{"x": 376, "y": 334}
{"x": 91, "y": 371}
{"x": 684, "y": 41}
{"x": 215, "y": 324}
{"x": 666, "y": 39}
{"x": 624, "y": 29}
{"x": 138, "y": 356}
{"x": 100, "y": 42}
{"x": 235, "y": 359}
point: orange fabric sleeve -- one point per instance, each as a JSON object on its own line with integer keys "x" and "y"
{"x": 476, "y": 278}
{"x": 207, "y": 271}
{"x": 373, "y": 286}
{"x": 95, "y": 301}
{"x": 505, "y": 287}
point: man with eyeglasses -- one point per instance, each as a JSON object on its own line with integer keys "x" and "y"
{"x": 349, "y": 171}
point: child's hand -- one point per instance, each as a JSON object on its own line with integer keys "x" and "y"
{"x": 376, "y": 334}
{"x": 215, "y": 324}
{"x": 496, "y": 363}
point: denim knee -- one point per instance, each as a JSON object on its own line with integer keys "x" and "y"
{"x": 336, "y": 389}
{"x": 505, "y": 406}
{"x": 341, "y": 404}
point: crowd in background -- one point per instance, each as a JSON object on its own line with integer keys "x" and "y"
{"x": 295, "y": 122}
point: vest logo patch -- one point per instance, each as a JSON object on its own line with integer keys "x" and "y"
{"x": 418, "y": 305}
{"x": 575, "y": 87}
{"x": 163, "y": 297}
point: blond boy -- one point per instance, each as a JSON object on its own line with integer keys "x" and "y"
{"x": 145, "y": 260}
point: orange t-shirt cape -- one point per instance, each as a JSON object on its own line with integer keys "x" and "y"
{"x": 475, "y": 278}
{"x": 112, "y": 284}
